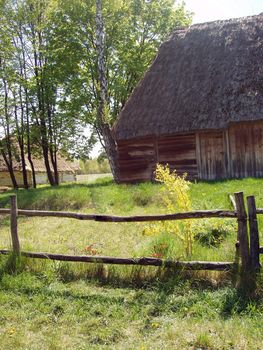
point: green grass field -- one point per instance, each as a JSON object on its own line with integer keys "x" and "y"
{"x": 55, "y": 305}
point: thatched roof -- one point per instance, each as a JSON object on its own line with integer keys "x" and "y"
{"x": 64, "y": 165}
{"x": 17, "y": 166}
{"x": 204, "y": 77}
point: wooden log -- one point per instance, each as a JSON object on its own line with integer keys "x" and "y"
{"x": 4, "y": 211}
{"x": 198, "y": 156}
{"x": 242, "y": 231}
{"x": 254, "y": 236}
{"x": 232, "y": 200}
{"x": 13, "y": 224}
{"x": 259, "y": 210}
{"x": 260, "y": 250}
{"x": 145, "y": 261}
{"x": 217, "y": 213}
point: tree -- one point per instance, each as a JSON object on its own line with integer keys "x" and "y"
{"x": 118, "y": 40}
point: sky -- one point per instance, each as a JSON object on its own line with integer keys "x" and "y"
{"x": 212, "y": 10}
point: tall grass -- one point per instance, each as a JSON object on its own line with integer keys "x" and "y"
{"x": 123, "y": 239}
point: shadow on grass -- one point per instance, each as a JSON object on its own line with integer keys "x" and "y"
{"x": 11, "y": 264}
{"x": 163, "y": 290}
{"x": 165, "y": 280}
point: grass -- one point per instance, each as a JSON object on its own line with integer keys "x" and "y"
{"x": 55, "y": 305}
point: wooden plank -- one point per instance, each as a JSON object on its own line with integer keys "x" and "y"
{"x": 254, "y": 236}
{"x": 212, "y": 155}
{"x": 144, "y": 261}
{"x": 13, "y": 224}
{"x": 242, "y": 231}
{"x": 198, "y": 156}
{"x": 228, "y": 158}
{"x": 136, "y": 159}
{"x": 179, "y": 152}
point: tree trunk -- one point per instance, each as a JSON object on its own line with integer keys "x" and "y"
{"x": 10, "y": 169}
{"x": 23, "y": 161}
{"x": 53, "y": 157}
{"x": 20, "y": 138}
{"x": 47, "y": 165}
{"x": 111, "y": 150}
{"x": 27, "y": 123}
{"x": 103, "y": 126}
{"x": 7, "y": 140}
{"x": 29, "y": 155}
{"x": 41, "y": 105}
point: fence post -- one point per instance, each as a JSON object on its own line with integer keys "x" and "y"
{"x": 242, "y": 231}
{"x": 254, "y": 236}
{"x": 13, "y": 224}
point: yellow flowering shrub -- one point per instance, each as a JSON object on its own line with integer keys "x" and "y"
{"x": 176, "y": 197}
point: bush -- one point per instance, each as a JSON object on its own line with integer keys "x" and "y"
{"x": 212, "y": 233}
{"x": 176, "y": 196}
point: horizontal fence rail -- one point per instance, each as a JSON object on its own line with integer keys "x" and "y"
{"x": 145, "y": 261}
{"x": 198, "y": 214}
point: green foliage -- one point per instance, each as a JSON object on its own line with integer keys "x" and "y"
{"x": 95, "y": 166}
{"x": 133, "y": 30}
{"x": 212, "y": 232}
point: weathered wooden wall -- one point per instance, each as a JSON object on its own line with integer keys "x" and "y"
{"x": 5, "y": 179}
{"x": 41, "y": 177}
{"x": 210, "y": 151}
{"x": 179, "y": 152}
{"x": 246, "y": 149}
{"x": 138, "y": 158}
{"x": 209, "y": 155}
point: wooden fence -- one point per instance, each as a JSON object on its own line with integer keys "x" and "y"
{"x": 247, "y": 246}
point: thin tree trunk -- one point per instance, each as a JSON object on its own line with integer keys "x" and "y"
{"x": 53, "y": 146}
{"x": 7, "y": 140}
{"x": 20, "y": 138}
{"x": 41, "y": 106}
{"x": 10, "y": 169}
{"x": 53, "y": 157}
{"x": 23, "y": 161}
{"x": 104, "y": 127}
{"x": 27, "y": 122}
{"x": 29, "y": 154}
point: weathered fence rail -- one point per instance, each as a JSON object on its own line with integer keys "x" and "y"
{"x": 145, "y": 261}
{"x": 198, "y": 214}
{"x": 247, "y": 245}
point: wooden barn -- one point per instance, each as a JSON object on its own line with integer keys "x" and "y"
{"x": 199, "y": 107}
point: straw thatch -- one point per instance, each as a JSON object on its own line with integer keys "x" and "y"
{"x": 204, "y": 77}
{"x": 64, "y": 165}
